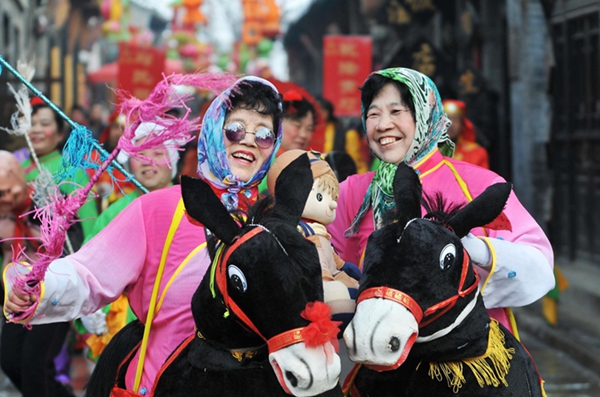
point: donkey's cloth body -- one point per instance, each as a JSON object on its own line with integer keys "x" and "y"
{"x": 421, "y": 327}
{"x": 265, "y": 280}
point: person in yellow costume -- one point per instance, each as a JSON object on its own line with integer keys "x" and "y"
{"x": 339, "y": 139}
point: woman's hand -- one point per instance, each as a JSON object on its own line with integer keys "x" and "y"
{"x": 95, "y": 323}
{"x": 17, "y": 302}
{"x": 478, "y": 250}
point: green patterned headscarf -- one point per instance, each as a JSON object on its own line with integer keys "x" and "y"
{"x": 430, "y": 133}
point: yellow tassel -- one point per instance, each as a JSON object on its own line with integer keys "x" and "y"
{"x": 561, "y": 280}
{"x": 237, "y": 354}
{"x": 489, "y": 369}
{"x": 550, "y": 310}
{"x": 452, "y": 371}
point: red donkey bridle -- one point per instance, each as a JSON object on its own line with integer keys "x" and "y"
{"x": 280, "y": 341}
{"x": 434, "y": 312}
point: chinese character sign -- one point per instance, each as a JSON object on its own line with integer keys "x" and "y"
{"x": 346, "y": 65}
{"x": 140, "y": 69}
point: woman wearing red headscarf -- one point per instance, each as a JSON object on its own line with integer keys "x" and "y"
{"x": 462, "y": 133}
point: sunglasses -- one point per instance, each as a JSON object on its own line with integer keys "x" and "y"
{"x": 263, "y": 137}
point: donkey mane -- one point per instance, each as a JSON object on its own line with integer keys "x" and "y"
{"x": 438, "y": 208}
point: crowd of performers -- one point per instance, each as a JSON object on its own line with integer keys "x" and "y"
{"x": 111, "y": 258}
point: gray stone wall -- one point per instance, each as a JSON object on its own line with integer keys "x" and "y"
{"x": 530, "y": 112}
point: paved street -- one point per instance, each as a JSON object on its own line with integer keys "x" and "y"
{"x": 79, "y": 377}
{"x": 563, "y": 376}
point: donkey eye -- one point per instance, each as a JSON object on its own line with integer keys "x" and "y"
{"x": 237, "y": 278}
{"x": 447, "y": 256}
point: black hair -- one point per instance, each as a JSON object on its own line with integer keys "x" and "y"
{"x": 60, "y": 122}
{"x": 375, "y": 83}
{"x": 175, "y": 112}
{"x": 296, "y": 110}
{"x": 81, "y": 109}
{"x": 253, "y": 95}
{"x": 327, "y": 105}
{"x": 342, "y": 164}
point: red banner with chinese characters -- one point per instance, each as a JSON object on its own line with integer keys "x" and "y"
{"x": 346, "y": 65}
{"x": 140, "y": 69}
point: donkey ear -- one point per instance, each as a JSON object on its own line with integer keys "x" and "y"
{"x": 203, "y": 205}
{"x": 482, "y": 210}
{"x": 407, "y": 193}
{"x": 292, "y": 188}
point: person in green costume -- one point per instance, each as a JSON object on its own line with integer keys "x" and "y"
{"x": 46, "y": 134}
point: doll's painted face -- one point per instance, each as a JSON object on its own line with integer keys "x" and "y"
{"x": 320, "y": 206}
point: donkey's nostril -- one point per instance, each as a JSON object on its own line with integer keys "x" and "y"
{"x": 293, "y": 380}
{"x": 394, "y": 344}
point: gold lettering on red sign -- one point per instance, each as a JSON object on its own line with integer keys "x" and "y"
{"x": 142, "y": 77}
{"x": 144, "y": 59}
{"x": 141, "y": 93}
{"x": 348, "y": 50}
{"x": 348, "y": 68}
{"x": 349, "y": 104}
{"x": 348, "y": 86}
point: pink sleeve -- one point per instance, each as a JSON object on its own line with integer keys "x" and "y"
{"x": 114, "y": 258}
{"x": 525, "y": 230}
{"x": 98, "y": 273}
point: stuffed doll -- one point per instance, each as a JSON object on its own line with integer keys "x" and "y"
{"x": 340, "y": 278}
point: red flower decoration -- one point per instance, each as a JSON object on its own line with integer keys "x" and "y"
{"x": 500, "y": 223}
{"x": 36, "y": 100}
{"x": 321, "y": 329}
{"x": 292, "y": 95}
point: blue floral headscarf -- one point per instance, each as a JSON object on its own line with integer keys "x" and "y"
{"x": 430, "y": 133}
{"x": 213, "y": 165}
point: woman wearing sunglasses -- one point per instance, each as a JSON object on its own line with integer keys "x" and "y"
{"x": 237, "y": 143}
{"x": 235, "y": 157}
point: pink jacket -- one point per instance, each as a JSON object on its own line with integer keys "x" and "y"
{"x": 522, "y": 270}
{"x": 125, "y": 256}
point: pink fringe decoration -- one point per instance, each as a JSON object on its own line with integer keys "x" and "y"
{"x": 176, "y": 131}
{"x": 60, "y": 213}
{"x": 55, "y": 218}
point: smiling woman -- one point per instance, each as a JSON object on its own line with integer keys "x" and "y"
{"x": 45, "y": 134}
{"x": 153, "y": 233}
{"x": 299, "y": 120}
{"x": 245, "y": 155}
{"x": 239, "y": 139}
{"x": 390, "y": 123}
{"x": 405, "y": 123}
